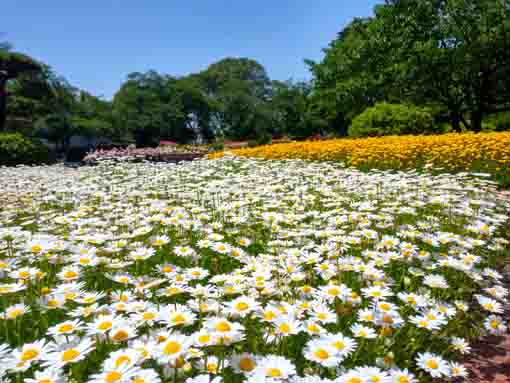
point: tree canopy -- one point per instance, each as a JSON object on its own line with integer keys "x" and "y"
{"x": 453, "y": 54}
{"x": 12, "y": 65}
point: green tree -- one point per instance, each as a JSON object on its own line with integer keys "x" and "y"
{"x": 449, "y": 54}
{"x": 238, "y": 91}
{"x": 352, "y": 76}
{"x": 154, "y": 106}
{"x": 250, "y": 73}
{"x": 454, "y": 52}
{"x": 293, "y": 110}
{"x": 93, "y": 117}
{"x": 12, "y": 65}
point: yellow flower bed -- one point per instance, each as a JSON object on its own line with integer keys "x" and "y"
{"x": 482, "y": 152}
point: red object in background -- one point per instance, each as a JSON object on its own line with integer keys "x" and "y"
{"x": 163, "y": 143}
{"x": 316, "y": 137}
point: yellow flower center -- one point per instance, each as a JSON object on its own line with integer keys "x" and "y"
{"x": 36, "y": 248}
{"x": 112, "y": 376}
{"x": 274, "y": 372}
{"x": 432, "y": 364}
{"x": 223, "y": 326}
{"x": 321, "y": 354}
{"x": 29, "y": 354}
{"x": 242, "y": 306}
{"x": 70, "y": 274}
{"x": 66, "y": 328}
{"x": 172, "y": 347}
{"x": 339, "y": 345}
{"x": 284, "y": 328}
{"x": 179, "y": 319}
{"x": 103, "y": 326}
{"x": 70, "y": 354}
{"x": 148, "y": 316}
{"x": 204, "y": 338}
{"x": 120, "y": 336}
{"x": 15, "y": 313}
{"x": 173, "y": 290}
{"x": 70, "y": 296}
{"x": 246, "y": 364}
{"x": 121, "y": 360}
{"x": 212, "y": 367}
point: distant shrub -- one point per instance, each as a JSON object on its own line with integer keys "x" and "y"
{"x": 385, "y": 119}
{"x": 17, "y": 149}
{"x": 500, "y": 121}
{"x": 217, "y": 146}
{"x": 488, "y": 126}
{"x": 264, "y": 139}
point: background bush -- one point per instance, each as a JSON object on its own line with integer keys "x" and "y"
{"x": 393, "y": 119}
{"x": 17, "y": 149}
{"x": 500, "y": 121}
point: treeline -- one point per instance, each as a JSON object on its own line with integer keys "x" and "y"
{"x": 232, "y": 99}
{"x": 416, "y": 66}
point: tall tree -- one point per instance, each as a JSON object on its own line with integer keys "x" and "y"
{"x": 451, "y": 53}
{"x": 154, "y": 106}
{"x": 456, "y": 52}
{"x": 12, "y": 65}
{"x": 352, "y": 76}
{"x": 293, "y": 110}
{"x": 239, "y": 90}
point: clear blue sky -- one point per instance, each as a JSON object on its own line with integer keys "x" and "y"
{"x": 96, "y": 43}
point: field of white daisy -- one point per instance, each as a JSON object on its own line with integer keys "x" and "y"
{"x": 244, "y": 270}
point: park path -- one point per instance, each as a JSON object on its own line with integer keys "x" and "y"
{"x": 489, "y": 361}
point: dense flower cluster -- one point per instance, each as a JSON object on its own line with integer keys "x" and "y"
{"x": 487, "y": 152}
{"x": 242, "y": 270}
{"x": 160, "y": 153}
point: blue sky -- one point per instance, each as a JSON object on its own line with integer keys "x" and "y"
{"x": 96, "y": 43}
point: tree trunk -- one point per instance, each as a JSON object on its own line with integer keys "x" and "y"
{"x": 455, "y": 120}
{"x": 476, "y": 121}
{"x": 3, "y": 102}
